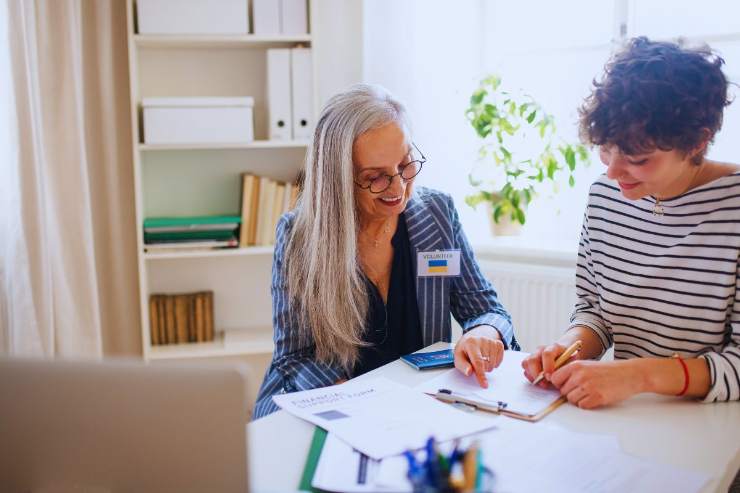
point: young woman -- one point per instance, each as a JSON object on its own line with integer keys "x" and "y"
{"x": 657, "y": 275}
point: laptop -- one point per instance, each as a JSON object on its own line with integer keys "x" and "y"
{"x": 100, "y": 427}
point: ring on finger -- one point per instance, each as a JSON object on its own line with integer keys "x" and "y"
{"x": 485, "y": 358}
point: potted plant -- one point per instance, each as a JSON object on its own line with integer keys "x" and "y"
{"x": 521, "y": 151}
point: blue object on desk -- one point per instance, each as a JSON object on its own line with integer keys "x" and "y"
{"x": 430, "y": 360}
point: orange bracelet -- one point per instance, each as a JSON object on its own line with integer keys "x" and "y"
{"x": 685, "y": 375}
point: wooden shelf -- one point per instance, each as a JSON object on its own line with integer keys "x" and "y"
{"x": 215, "y": 41}
{"x": 260, "y": 342}
{"x": 257, "y": 144}
{"x": 222, "y": 252}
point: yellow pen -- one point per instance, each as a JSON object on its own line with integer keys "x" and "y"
{"x": 574, "y": 348}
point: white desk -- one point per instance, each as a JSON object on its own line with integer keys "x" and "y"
{"x": 703, "y": 437}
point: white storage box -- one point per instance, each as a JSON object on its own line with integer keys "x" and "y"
{"x": 198, "y": 120}
{"x": 192, "y": 16}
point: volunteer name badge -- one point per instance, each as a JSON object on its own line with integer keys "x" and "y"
{"x": 440, "y": 263}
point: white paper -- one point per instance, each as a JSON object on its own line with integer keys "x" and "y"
{"x": 379, "y": 417}
{"x": 535, "y": 457}
{"x": 506, "y": 383}
{"x": 344, "y": 469}
{"x": 524, "y": 457}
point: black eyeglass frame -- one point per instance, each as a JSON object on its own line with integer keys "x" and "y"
{"x": 390, "y": 178}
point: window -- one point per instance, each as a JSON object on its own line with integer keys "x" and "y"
{"x": 431, "y": 54}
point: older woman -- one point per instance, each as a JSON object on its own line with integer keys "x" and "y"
{"x": 366, "y": 268}
{"x": 657, "y": 273}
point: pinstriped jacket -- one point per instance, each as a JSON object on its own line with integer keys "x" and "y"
{"x": 433, "y": 224}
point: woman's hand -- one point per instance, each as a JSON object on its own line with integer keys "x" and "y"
{"x": 479, "y": 350}
{"x": 543, "y": 360}
{"x": 591, "y": 384}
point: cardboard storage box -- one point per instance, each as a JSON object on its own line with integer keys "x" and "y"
{"x": 198, "y": 120}
{"x": 192, "y": 16}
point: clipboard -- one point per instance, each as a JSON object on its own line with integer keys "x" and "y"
{"x": 500, "y": 407}
{"x": 508, "y": 392}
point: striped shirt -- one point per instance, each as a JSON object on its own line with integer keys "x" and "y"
{"x": 654, "y": 285}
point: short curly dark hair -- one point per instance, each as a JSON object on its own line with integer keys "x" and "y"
{"x": 656, "y": 95}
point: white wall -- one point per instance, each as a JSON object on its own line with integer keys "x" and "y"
{"x": 428, "y": 54}
{"x": 337, "y": 37}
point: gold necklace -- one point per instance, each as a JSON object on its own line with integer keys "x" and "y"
{"x": 386, "y": 229}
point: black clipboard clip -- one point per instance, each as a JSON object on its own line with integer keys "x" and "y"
{"x": 450, "y": 397}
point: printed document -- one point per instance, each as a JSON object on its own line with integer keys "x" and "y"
{"x": 379, "y": 417}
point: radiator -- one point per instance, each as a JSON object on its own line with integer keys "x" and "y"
{"x": 539, "y": 298}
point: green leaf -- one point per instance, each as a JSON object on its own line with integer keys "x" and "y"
{"x": 475, "y": 199}
{"x": 506, "y": 153}
{"x": 571, "y": 180}
{"x": 520, "y": 216}
{"x": 477, "y": 97}
{"x": 497, "y": 213}
{"x": 570, "y": 158}
{"x": 552, "y": 167}
{"x": 527, "y": 196}
{"x": 515, "y": 200}
{"x": 531, "y": 117}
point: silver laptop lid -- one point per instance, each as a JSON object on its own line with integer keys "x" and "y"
{"x": 121, "y": 426}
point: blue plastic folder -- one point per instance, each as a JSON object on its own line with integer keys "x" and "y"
{"x": 431, "y": 360}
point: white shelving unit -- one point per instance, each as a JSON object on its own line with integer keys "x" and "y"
{"x": 204, "y": 179}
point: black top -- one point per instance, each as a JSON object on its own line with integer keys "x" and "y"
{"x": 393, "y": 329}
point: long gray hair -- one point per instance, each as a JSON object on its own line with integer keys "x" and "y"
{"x": 325, "y": 281}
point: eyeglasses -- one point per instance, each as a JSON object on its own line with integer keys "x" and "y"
{"x": 379, "y": 183}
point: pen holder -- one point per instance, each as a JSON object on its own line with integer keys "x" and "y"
{"x": 457, "y": 472}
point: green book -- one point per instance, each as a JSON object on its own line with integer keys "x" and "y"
{"x": 312, "y": 460}
{"x": 188, "y": 236}
{"x": 164, "y": 222}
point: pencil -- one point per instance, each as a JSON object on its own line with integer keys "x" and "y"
{"x": 574, "y": 348}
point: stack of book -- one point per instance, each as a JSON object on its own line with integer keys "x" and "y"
{"x": 186, "y": 233}
{"x": 181, "y": 318}
{"x": 263, "y": 202}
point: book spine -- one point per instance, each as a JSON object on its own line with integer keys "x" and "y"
{"x": 181, "y": 317}
{"x": 209, "y": 330}
{"x": 247, "y": 191}
{"x": 170, "y": 317}
{"x": 253, "y": 211}
{"x": 162, "y": 319}
{"x": 200, "y": 333}
{"x": 192, "y": 336}
{"x": 153, "y": 320}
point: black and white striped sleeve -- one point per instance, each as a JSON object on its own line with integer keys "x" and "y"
{"x": 724, "y": 366}
{"x": 587, "y": 312}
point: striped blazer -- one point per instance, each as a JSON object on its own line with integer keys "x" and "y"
{"x": 433, "y": 224}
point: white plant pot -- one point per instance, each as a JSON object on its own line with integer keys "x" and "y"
{"x": 505, "y": 227}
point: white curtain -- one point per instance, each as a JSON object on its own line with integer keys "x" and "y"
{"x": 67, "y": 245}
